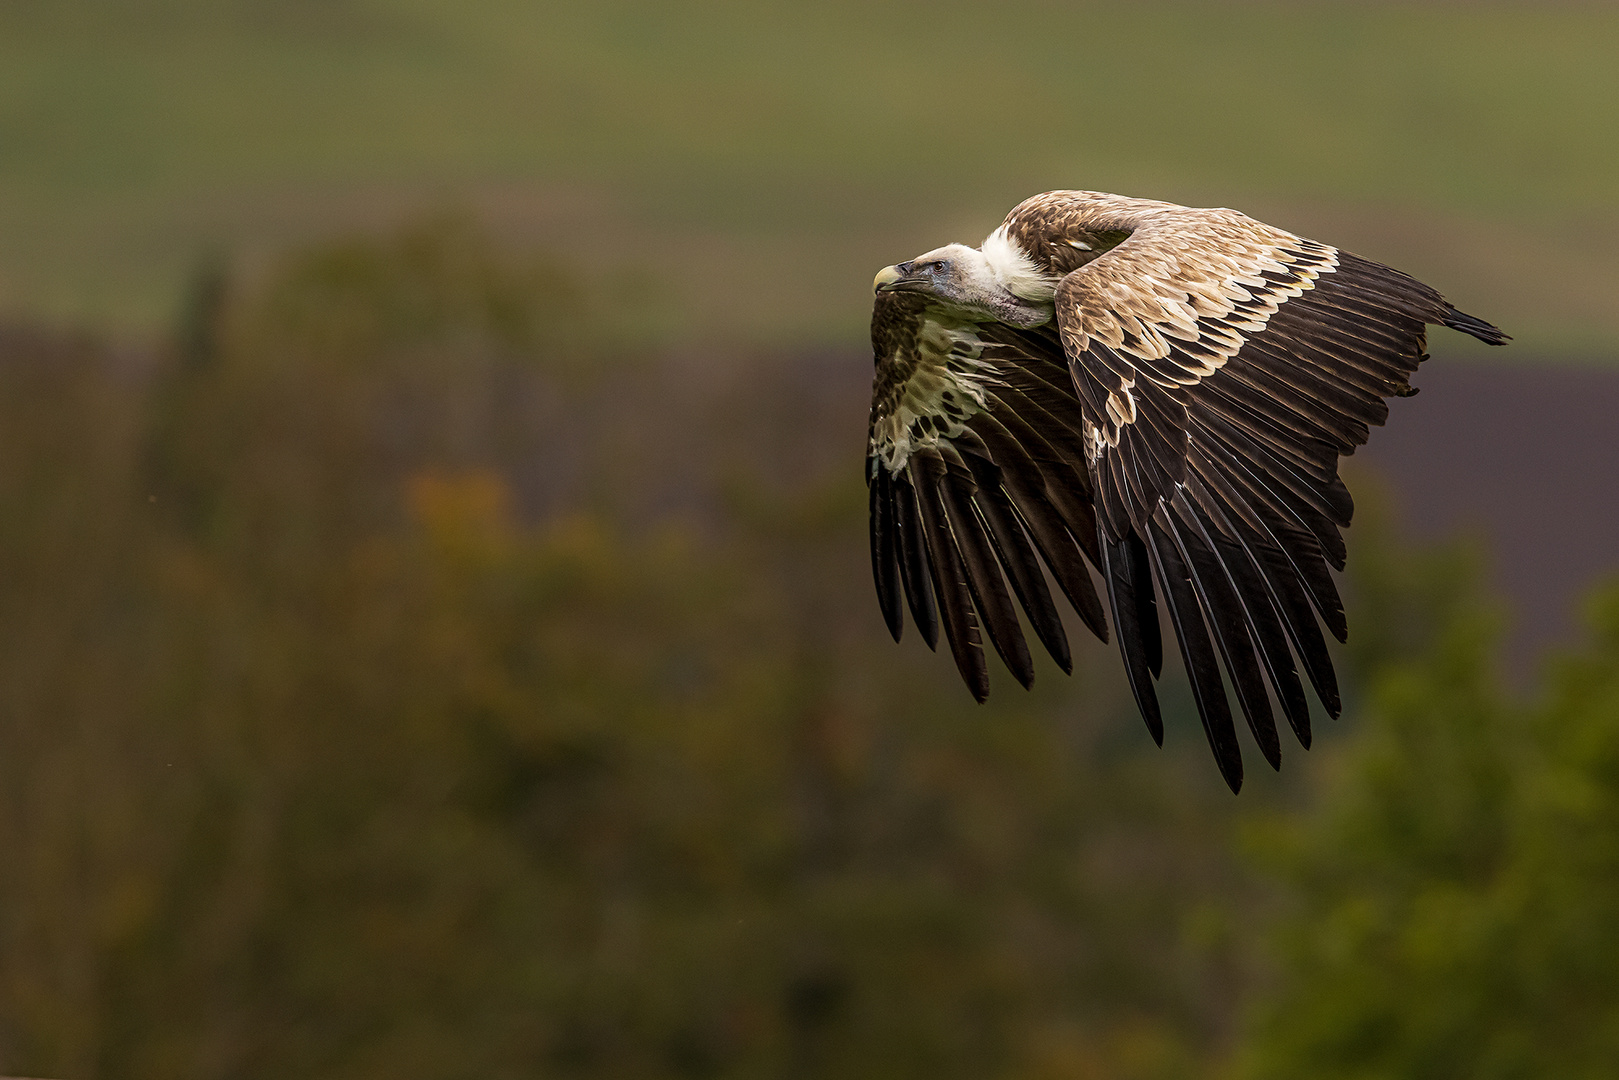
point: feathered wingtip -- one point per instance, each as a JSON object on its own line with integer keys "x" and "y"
{"x": 1471, "y": 324}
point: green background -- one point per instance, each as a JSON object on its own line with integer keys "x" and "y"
{"x": 744, "y": 167}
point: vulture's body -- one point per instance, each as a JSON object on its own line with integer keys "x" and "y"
{"x": 1161, "y": 391}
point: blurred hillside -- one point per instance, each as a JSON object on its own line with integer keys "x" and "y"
{"x": 1535, "y": 506}
{"x": 395, "y": 685}
{"x": 426, "y": 658}
{"x": 739, "y": 169}
{"x": 389, "y": 687}
{"x": 392, "y": 685}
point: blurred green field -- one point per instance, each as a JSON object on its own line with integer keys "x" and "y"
{"x": 739, "y": 169}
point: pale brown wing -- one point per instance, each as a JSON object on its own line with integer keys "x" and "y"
{"x": 976, "y": 474}
{"x": 1223, "y": 366}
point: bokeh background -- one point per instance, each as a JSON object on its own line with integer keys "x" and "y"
{"x": 436, "y": 637}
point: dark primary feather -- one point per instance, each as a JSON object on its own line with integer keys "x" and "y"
{"x": 915, "y": 572}
{"x": 885, "y": 550}
{"x": 1135, "y": 618}
{"x": 1030, "y": 493}
{"x": 983, "y": 573}
{"x": 1197, "y": 653}
{"x": 1177, "y": 426}
{"x": 949, "y": 573}
{"x": 1017, "y": 558}
{"x": 1211, "y": 581}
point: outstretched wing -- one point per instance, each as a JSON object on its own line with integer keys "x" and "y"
{"x": 1222, "y": 367}
{"x": 976, "y": 468}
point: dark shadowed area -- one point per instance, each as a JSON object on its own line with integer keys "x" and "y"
{"x": 1522, "y": 458}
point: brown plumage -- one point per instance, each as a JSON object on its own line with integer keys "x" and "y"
{"x": 1161, "y": 391}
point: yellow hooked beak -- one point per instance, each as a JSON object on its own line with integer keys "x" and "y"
{"x": 885, "y": 279}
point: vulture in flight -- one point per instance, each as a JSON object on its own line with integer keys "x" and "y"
{"x": 1161, "y": 392}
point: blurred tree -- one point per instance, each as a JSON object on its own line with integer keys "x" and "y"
{"x": 1455, "y": 895}
{"x": 403, "y": 683}
{"x": 72, "y": 652}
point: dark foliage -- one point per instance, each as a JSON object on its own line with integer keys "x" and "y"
{"x": 397, "y": 682}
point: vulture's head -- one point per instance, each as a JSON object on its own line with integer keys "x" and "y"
{"x": 966, "y": 279}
